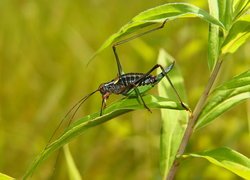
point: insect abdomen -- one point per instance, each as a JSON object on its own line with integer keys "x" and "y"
{"x": 133, "y": 78}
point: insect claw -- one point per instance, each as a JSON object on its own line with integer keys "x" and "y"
{"x": 147, "y": 108}
{"x": 186, "y": 108}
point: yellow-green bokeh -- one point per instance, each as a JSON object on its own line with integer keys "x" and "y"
{"x": 44, "y": 49}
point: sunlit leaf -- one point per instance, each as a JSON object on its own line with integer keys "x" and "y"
{"x": 238, "y": 35}
{"x": 173, "y": 121}
{"x": 228, "y": 159}
{"x": 5, "y": 177}
{"x": 158, "y": 15}
{"x": 225, "y": 12}
{"x": 222, "y": 10}
{"x": 213, "y": 36}
{"x": 240, "y": 7}
{"x": 224, "y": 97}
{"x": 74, "y": 174}
{"x": 114, "y": 110}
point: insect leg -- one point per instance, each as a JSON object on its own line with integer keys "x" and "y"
{"x": 139, "y": 94}
{"x": 136, "y": 83}
{"x": 172, "y": 85}
{"x": 164, "y": 72}
{"x": 102, "y": 106}
{"x": 119, "y": 66}
{"x": 120, "y": 71}
{"x": 104, "y": 99}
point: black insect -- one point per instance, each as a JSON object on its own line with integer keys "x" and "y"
{"x": 126, "y": 84}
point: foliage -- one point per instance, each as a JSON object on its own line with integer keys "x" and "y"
{"x": 228, "y": 159}
{"x": 5, "y": 177}
{"x": 229, "y": 30}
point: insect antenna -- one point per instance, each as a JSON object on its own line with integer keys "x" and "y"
{"x": 77, "y": 106}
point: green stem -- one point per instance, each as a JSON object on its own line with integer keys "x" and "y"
{"x": 193, "y": 119}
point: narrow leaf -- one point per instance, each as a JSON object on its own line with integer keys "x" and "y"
{"x": 240, "y": 7}
{"x": 213, "y": 36}
{"x": 118, "y": 108}
{"x": 72, "y": 169}
{"x": 224, "y": 97}
{"x": 5, "y": 177}
{"x": 228, "y": 159}
{"x": 237, "y": 36}
{"x": 158, "y": 15}
{"x": 225, "y": 12}
{"x": 173, "y": 121}
{"x": 228, "y": 16}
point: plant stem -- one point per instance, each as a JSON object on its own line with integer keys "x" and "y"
{"x": 193, "y": 119}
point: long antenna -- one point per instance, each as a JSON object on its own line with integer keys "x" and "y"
{"x": 77, "y": 105}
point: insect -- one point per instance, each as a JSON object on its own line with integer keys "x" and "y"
{"x": 126, "y": 84}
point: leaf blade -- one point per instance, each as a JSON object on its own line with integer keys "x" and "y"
{"x": 73, "y": 172}
{"x": 237, "y": 35}
{"x": 5, "y": 177}
{"x": 224, "y": 97}
{"x": 240, "y": 7}
{"x": 158, "y": 15}
{"x": 173, "y": 122}
{"x": 228, "y": 159}
{"x": 213, "y": 36}
{"x": 118, "y": 108}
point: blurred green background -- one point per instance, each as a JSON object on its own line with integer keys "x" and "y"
{"x": 44, "y": 48}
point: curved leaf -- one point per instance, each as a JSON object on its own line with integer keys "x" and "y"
{"x": 228, "y": 159}
{"x": 222, "y": 10}
{"x": 73, "y": 172}
{"x": 225, "y": 12}
{"x": 5, "y": 177}
{"x": 224, "y": 97}
{"x": 118, "y": 108}
{"x": 173, "y": 122}
{"x": 158, "y": 15}
{"x": 213, "y": 36}
{"x": 240, "y": 7}
{"x": 237, "y": 36}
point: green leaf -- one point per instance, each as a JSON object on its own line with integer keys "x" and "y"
{"x": 72, "y": 169}
{"x": 237, "y": 36}
{"x": 118, "y": 108}
{"x": 240, "y": 7}
{"x": 224, "y": 97}
{"x": 213, "y": 36}
{"x": 222, "y": 10}
{"x": 226, "y": 12}
{"x": 173, "y": 122}
{"x": 228, "y": 159}
{"x": 5, "y": 177}
{"x": 158, "y": 15}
